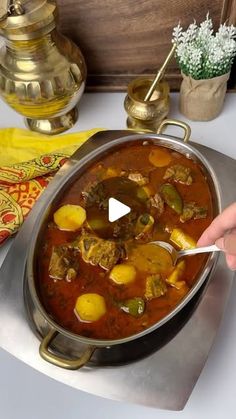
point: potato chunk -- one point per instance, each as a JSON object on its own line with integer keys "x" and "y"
{"x": 123, "y": 274}
{"x": 69, "y": 217}
{"x": 90, "y": 307}
{"x": 112, "y": 172}
{"x": 182, "y": 240}
{"x": 175, "y": 278}
{"x": 159, "y": 157}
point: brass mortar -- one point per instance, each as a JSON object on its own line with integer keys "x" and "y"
{"x": 146, "y": 115}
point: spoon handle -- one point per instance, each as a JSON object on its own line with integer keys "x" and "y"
{"x": 196, "y": 250}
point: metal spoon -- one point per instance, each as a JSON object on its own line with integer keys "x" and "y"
{"x": 175, "y": 254}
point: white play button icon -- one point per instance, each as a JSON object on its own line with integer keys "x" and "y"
{"x": 113, "y": 207}
{"x": 116, "y": 209}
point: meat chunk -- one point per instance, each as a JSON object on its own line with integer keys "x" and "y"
{"x": 192, "y": 211}
{"x": 155, "y": 287}
{"x": 138, "y": 178}
{"x": 157, "y": 202}
{"x": 64, "y": 263}
{"x": 179, "y": 173}
{"x": 96, "y": 194}
{"x": 100, "y": 252}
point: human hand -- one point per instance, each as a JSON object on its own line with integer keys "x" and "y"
{"x": 222, "y": 232}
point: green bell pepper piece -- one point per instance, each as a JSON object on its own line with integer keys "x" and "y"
{"x": 172, "y": 197}
{"x": 133, "y": 306}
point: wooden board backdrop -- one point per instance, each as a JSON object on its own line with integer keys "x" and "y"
{"x": 124, "y": 39}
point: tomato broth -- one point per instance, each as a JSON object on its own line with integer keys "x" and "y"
{"x": 129, "y": 307}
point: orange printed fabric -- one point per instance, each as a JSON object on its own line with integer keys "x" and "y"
{"x": 20, "y": 186}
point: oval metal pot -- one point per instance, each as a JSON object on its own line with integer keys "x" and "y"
{"x": 64, "y": 182}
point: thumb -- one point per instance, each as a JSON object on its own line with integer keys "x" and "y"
{"x": 227, "y": 243}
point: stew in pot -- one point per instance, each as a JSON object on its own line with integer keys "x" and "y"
{"x": 113, "y": 287}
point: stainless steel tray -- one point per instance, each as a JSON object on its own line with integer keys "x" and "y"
{"x": 164, "y": 379}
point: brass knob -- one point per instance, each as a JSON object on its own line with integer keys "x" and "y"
{"x": 15, "y": 8}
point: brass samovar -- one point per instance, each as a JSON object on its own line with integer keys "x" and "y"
{"x": 42, "y": 73}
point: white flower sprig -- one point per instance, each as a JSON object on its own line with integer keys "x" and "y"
{"x": 202, "y": 54}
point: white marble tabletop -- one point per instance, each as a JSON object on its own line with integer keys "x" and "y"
{"x": 28, "y": 394}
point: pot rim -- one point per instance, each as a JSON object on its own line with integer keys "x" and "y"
{"x": 164, "y": 91}
{"x": 87, "y": 160}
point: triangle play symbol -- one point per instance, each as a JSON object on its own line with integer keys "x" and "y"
{"x": 116, "y": 209}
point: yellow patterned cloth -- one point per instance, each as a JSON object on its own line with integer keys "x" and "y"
{"x": 27, "y": 163}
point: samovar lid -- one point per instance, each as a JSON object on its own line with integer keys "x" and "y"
{"x": 27, "y": 19}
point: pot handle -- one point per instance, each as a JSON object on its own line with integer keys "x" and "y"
{"x": 186, "y": 127}
{"x": 48, "y": 356}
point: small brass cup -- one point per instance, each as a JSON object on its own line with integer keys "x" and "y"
{"x": 146, "y": 115}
